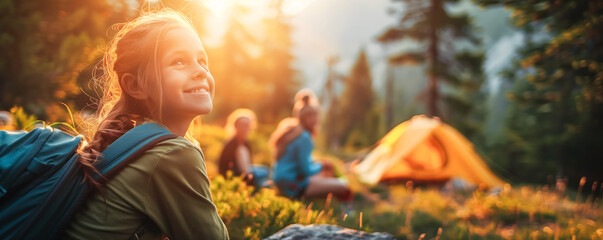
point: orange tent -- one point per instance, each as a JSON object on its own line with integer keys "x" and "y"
{"x": 425, "y": 150}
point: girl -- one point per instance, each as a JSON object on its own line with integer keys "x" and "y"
{"x": 236, "y": 155}
{"x": 295, "y": 174}
{"x": 155, "y": 70}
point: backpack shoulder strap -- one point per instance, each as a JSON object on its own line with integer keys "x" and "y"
{"x": 130, "y": 147}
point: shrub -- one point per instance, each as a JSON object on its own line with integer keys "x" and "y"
{"x": 21, "y": 119}
{"x": 259, "y": 215}
{"x": 423, "y": 222}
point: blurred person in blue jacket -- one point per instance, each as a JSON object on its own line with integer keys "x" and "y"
{"x": 295, "y": 173}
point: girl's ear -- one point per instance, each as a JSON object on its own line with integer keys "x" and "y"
{"x": 130, "y": 85}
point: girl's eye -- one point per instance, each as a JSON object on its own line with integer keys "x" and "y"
{"x": 179, "y": 61}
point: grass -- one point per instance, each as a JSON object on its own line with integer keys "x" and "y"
{"x": 423, "y": 213}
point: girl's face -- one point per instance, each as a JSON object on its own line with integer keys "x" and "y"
{"x": 242, "y": 126}
{"x": 309, "y": 119}
{"x": 187, "y": 85}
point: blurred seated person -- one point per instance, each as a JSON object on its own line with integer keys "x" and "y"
{"x": 294, "y": 172}
{"x": 236, "y": 154}
{"x": 6, "y": 121}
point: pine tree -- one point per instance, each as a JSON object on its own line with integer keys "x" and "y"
{"x": 253, "y": 66}
{"x": 233, "y": 66}
{"x": 330, "y": 98}
{"x": 276, "y": 63}
{"x": 458, "y": 68}
{"x": 555, "y": 118}
{"x": 354, "y": 123}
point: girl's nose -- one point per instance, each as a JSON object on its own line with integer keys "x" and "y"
{"x": 200, "y": 72}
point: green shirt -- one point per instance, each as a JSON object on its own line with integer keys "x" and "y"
{"x": 168, "y": 185}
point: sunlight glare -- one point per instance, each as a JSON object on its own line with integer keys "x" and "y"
{"x": 218, "y": 7}
{"x": 288, "y": 7}
{"x": 294, "y": 7}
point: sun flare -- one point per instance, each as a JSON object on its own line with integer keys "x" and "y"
{"x": 294, "y": 7}
{"x": 288, "y": 7}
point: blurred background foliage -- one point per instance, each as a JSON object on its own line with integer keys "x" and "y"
{"x": 551, "y": 125}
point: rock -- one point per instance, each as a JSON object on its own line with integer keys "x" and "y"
{"x": 325, "y": 231}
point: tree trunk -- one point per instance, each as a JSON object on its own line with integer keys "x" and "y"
{"x": 389, "y": 97}
{"x": 432, "y": 86}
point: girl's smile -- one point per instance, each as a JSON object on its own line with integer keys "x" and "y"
{"x": 198, "y": 90}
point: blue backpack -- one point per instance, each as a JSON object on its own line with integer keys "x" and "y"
{"x": 41, "y": 184}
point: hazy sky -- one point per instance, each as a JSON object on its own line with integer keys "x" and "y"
{"x": 337, "y": 28}
{"x": 342, "y": 27}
